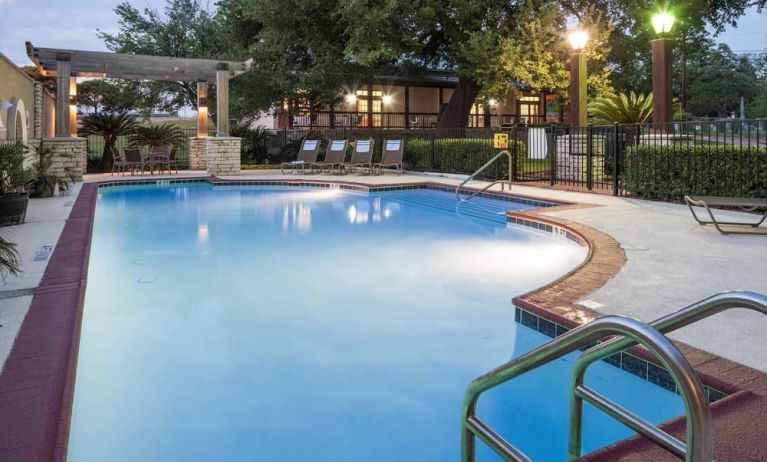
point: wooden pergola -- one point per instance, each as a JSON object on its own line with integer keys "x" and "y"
{"x": 67, "y": 65}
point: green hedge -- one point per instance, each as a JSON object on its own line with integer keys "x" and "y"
{"x": 670, "y": 172}
{"x": 457, "y": 155}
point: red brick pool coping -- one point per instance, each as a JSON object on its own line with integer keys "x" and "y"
{"x": 37, "y": 382}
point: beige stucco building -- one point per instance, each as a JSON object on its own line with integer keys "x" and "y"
{"x": 27, "y": 110}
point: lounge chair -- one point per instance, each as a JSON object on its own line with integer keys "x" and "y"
{"x": 391, "y": 156}
{"x": 310, "y": 149}
{"x": 334, "y": 156}
{"x": 736, "y": 227}
{"x": 133, "y": 160}
{"x": 362, "y": 156}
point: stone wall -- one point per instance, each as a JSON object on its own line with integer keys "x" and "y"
{"x": 68, "y": 153}
{"x": 222, "y": 155}
{"x": 197, "y": 147}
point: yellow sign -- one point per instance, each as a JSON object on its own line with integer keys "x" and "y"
{"x": 501, "y": 140}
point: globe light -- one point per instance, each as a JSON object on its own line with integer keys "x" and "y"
{"x": 386, "y": 99}
{"x": 351, "y": 98}
{"x": 492, "y": 102}
{"x": 662, "y": 22}
{"x": 578, "y": 39}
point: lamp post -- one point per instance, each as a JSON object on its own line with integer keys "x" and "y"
{"x": 662, "y": 109}
{"x": 578, "y": 98}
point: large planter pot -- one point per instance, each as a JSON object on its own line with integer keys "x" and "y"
{"x": 13, "y": 208}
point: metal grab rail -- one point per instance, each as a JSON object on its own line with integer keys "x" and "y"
{"x": 673, "y": 321}
{"x": 480, "y": 170}
{"x": 699, "y": 447}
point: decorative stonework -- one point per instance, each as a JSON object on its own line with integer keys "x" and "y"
{"x": 223, "y": 155}
{"x": 197, "y": 153}
{"x": 68, "y": 152}
{"x": 38, "y": 112}
{"x": 572, "y": 156}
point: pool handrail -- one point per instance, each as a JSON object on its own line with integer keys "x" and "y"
{"x": 699, "y": 446}
{"x": 480, "y": 170}
{"x": 684, "y": 317}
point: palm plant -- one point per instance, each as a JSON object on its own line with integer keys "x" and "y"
{"x": 9, "y": 259}
{"x": 45, "y": 182}
{"x": 634, "y": 108}
{"x": 109, "y": 126}
{"x": 158, "y": 135}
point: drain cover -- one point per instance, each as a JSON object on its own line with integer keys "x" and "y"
{"x": 43, "y": 253}
{"x": 146, "y": 280}
{"x": 141, "y": 262}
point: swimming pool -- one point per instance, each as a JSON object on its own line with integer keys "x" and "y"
{"x": 287, "y": 324}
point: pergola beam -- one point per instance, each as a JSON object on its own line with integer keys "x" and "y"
{"x": 128, "y": 66}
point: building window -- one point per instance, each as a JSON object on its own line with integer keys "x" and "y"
{"x": 529, "y": 107}
{"x": 372, "y": 101}
{"x": 477, "y": 115}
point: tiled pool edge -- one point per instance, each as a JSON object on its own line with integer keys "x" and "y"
{"x": 37, "y": 382}
{"x": 737, "y": 417}
{"x": 36, "y": 395}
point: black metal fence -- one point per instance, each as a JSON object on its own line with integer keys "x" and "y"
{"x": 712, "y": 157}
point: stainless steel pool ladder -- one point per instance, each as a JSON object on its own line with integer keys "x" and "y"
{"x": 630, "y": 332}
{"x": 480, "y": 170}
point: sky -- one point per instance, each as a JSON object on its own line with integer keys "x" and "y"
{"x": 73, "y": 23}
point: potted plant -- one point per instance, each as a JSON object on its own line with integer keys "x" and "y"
{"x": 45, "y": 183}
{"x": 14, "y": 179}
{"x": 9, "y": 259}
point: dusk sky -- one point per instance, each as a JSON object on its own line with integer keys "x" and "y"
{"x": 73, "y": 24}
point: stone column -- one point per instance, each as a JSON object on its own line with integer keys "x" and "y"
{"x": 222, "y": 155}
{"x": 39, "y": 112}
{"x": 64, "y": 72}
{"x": 197, "y": 156}
{"x": 69, "y": 153}
{"x": 222, "y": 108}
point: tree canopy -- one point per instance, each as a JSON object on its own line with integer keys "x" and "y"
{"x": 309, "y": 49}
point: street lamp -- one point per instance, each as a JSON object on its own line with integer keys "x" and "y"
{"x": 578, "y": 99}
{"x": 662, "y": 109}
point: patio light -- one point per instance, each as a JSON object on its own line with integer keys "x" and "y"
{"x": 662, "y": 22}
{"x": 578, "y": 39}
{"x": 351, "y": 98}
{"x": 386, "y": 99}
{"x": 492, "y": 102}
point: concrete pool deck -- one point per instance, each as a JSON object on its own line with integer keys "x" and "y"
{"x": 48, "y": 327}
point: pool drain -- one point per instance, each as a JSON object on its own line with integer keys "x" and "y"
{"x": 146, "y": 280}
{"x": 141, "y": 262}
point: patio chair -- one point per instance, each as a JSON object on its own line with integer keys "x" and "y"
{"x": 118, "y": 163}
{"x": 334, "y": 156}
{"x": 362, "y": 156}
{"x": 310, "y": 149}
{"x": 133, "y": 160}
{"x": 160, "y": 157}
{"x": 734, "y": 227}
{"x": 391, "y": 156}
{"x": 173, "y": 162}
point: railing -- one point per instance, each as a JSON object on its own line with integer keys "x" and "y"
{"x": 502, "y": 182}
{"x": 349, "y": 119}
{"x": 699, "y": 446}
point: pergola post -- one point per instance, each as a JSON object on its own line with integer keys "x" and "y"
{"x": 222, "y": 95}
{"x": 63, "y": 82}
{"x": 202, "y": 109}
{"x": 578, "y": 95}
{"x": 73, "y": 106}
{"x": 662, "y": 93}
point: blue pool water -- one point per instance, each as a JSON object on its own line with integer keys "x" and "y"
{"x": 273, "y": 324}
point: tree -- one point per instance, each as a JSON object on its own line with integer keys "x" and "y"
{"x": 111, "y": 95}
{"x": 108, "y": 126}
{"x": 184, "y": 29}
{"x": 718, "y": 81}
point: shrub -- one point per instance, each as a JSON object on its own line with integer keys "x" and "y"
{"x": 458, "y": 155}
{"x": 670, "y": 172}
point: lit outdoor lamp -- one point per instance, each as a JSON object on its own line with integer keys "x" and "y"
{"x": 662, "y": 109}
{"x": 202, "y": 109}
{"x": 578, "y": 99}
